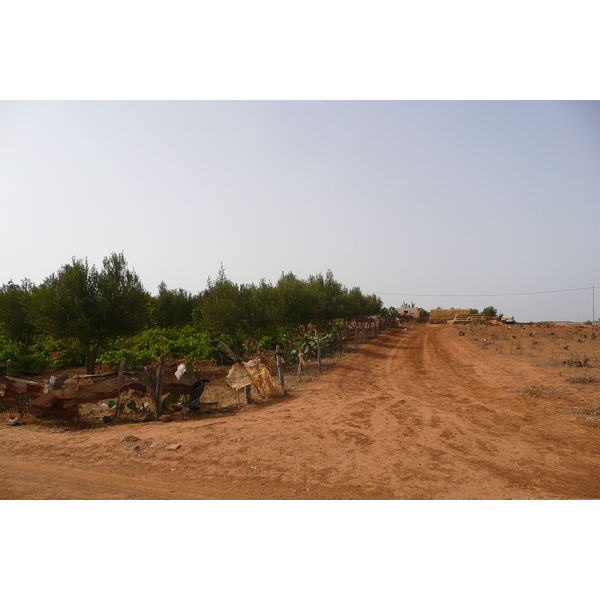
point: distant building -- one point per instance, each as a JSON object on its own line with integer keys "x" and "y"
{"x": 412, "y": 313}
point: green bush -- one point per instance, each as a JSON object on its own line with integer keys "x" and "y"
{"x": 8, "y": 350}
{"x": 184, "y": 342}
{"x": 307, "y": 345}
{"x": 73, "y": 357}
{"x": 33, "y": 363}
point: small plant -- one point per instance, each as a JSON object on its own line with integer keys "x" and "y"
{"x": 307, "y": 345}
{"x": 172, "y": 399}
{"x": 132, "y": 406}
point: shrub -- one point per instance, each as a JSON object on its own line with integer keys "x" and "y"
{"x": 73, "y": 357}
{"x": 307, "y": 345}
{"x": 184, "y": 342}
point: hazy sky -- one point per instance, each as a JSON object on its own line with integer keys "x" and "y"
{"x": 411, "y": 200}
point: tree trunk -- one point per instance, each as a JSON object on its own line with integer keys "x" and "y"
{"x": 91, "y": 354}
{"x": 119, "y": 384}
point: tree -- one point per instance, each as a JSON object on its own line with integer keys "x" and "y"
{"x": 299, "y": 302}
{"x": 15, "y": 322}
{"x": 223, "y": 310}
{"x": 91, "y": 307}
{"x": 172, "y": 307}
{"x": 489, "y": 311}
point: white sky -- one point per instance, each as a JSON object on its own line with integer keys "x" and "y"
{"x": 441, "y": 203}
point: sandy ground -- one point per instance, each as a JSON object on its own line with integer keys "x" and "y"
{"x": 424, "y": 413}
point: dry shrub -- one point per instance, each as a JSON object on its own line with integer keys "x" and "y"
{"x": 591, "y": 411}
{"x": 538, "y": 391}
{"x": 575, "y": 361}
{"x": 582, "y": 379}
{"x": 590, "y": 414}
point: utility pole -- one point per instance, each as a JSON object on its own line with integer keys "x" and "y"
{"x": 593, "y": 307}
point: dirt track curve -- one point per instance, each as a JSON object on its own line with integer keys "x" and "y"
{"x": 419, "y": 414}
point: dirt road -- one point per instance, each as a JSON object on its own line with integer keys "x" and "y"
{"x": 418, "y": 414}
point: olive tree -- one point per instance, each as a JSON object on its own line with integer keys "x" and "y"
{"x": 172, "y": 307}
{"x": 224, "y": 310}
{"x": 90, "y": 306}
{"x": 15, "y": 322}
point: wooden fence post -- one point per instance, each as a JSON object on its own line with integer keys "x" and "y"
{"x": 318, "y": 351}
{"x": 158, "y": 388}
{"x": 119, "y": 384}
{"x": 279, "y": 368}
{"x": 248, "y": 394}
{"x": 8, "y": 366}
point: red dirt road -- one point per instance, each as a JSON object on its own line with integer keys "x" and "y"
{"x": 418, "y": 414}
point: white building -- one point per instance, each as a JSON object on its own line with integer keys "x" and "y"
{"x": 413, "y": 313}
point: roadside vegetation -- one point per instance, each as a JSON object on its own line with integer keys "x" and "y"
{"x": 82, "y": 315}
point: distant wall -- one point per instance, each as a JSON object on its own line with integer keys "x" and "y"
{"x": 444, "y": 315}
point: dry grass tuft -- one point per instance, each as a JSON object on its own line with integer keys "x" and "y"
{"x": 592, "y": 411}
{"x": 581, "y": 379}
{"x": 590, "y": 414}
{"x": 538, "y": 391}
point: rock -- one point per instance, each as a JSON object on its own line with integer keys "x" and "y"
{"x": 158, "y": 444}
{"x": 147, "y": 418}
{"x": 173, "y": 446}
{"x": 130, "y": 438}
{"x": 165, "y": 418}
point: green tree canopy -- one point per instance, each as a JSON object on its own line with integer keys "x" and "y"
{"x": 172, "y": 307}
{"x": 224, "y": 311}
{"x": 15, "y": 321}
{"x": 300, "y": 303}
{"x": 90, "y": 306}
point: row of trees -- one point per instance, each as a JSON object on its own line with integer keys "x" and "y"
{"x": 82, "y": 305}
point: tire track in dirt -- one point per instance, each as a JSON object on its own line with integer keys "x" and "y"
{"x": 470, "y": 427}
